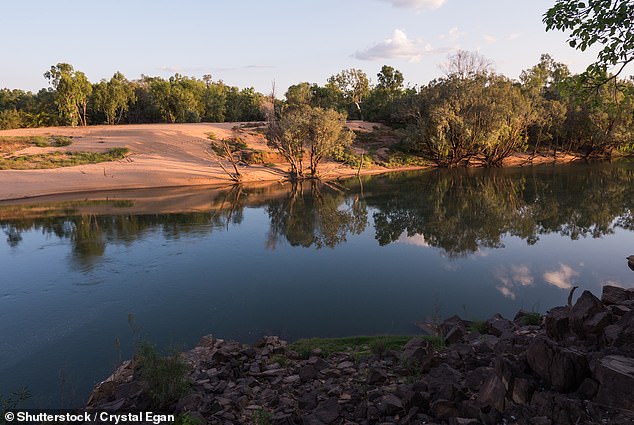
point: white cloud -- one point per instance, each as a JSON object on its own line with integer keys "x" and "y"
{"x": 417, "y": 240}
{"x": 417, "y": 4}
{"x": 399, "y": 46}
{"x": 453, "y": 35}
{"x": 561, "y": 278}
{"x": 489, "y": 39}
{"x": 518, "y": 275}
{"x": 508, "y": 293}
{"x": 514, "y": 36}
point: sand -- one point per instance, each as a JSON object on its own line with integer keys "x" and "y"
{"x": 161, "y": 155}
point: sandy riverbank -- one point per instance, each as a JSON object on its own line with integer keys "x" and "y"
{"x": 162, "y": 155}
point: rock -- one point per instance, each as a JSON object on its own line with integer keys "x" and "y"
{"x": 615, "y": 375}
{"x": 562, "y": 368}
{"x": 557, "y": 323}
{"x": 583, "y": 315}
{"x": 328, "y": 411}
{"x": 307, "y": 401}
{"x": 307, "y": 373}
{"x": 377, "y": 376}
{"x": 561, "y": 410}
{"x": 540, "y": 420}
{"x": 616, "y": 295}
{"x": 390, "y": 405}
{"x": 588, "y": 389}
{"x": 522, "y": 391}
{"x": 417, "y": 351}
{"x": 493, "y": 393}
{"x": 498, "y": 326}
{"x": 454, "y": 335}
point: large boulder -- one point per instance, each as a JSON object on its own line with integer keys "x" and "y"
{"x": 562, "y": 368}
{"x": 589, "y": 316}
{"x": 615, "y": 295}
{"x": 616, "y": 381}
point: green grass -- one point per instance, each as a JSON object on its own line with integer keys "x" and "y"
{"x": 59, "y": 159}
{"x": 10, "y": 144}
{"x": 262, "y": 417}
{"x": 532, "y": 319}
{"x": 479, "y": 326}
{"x": 165, "y": 377}
{"x": 358, "y": 346}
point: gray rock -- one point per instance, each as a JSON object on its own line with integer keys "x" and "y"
{"x": 328, "y": 411}
{"x": 616, "y": 295}
{"x": 377, "y": 376}
{"x": 615, "y": 375}
{"x": 562, "y": 368}
{"x": 557, "y": 323}
{"x": 499, "y": 326}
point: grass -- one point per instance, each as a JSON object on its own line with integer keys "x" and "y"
{"x": 479, "y": 326}
{"x": 531, "y": 319}
{"x": 262, "y": 417}
{"x": 11, "y": 144}
{"x": 12, "y": 402}
{"x": 358, "y": 346}
{"x": 59, "y": 159}
{"x": 165, "y": 377}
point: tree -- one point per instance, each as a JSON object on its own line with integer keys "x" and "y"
{"x": 607, "y": 23}
{"x": 302, "y": 129}
{"x": 72, "y": 91}
{"x": 287, "y": 134}
{"x": 541, "y": 86}
{"x": 113, "y": 97}
{"x": 327, "y": 132}
{"x": 390, "y": 79}
{"x": 354, "y": 85}
{"x": 464, "y": 64}
{"x": 299, "y": 94}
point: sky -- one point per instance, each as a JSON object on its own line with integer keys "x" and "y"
{"x": 251, "y": 43}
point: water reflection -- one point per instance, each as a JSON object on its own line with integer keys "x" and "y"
{"x": 315, "y": 215}
{"x": 460, "y": 212}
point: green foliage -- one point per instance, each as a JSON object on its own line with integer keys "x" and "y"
{"x": 72, "y": 90}
{"x": 606, "y": 23}
{"x": 308, "y": 130}
{"x": 479, "y": 326}
{"x": 165, "y": 378}
{"x": 354, "y": 86}
{"x": 113, "y": 98}
{"x": 188, "y": 419}
{"x": 262, "y": 417}
{"x": 462, "y": 118}
{"x": 357, "y": 345}
{"x": 531, "y": 319}
{"x": 12, "y": 402}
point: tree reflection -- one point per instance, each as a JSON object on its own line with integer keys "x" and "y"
{"x": 459, "y": 211}
{"x": 315, "y": 215}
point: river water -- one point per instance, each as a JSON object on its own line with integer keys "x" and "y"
{"x": 87, "y": 277}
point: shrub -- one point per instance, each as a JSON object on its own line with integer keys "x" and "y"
{"x": 165, "y": 377}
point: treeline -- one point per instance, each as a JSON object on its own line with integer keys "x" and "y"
{"x": 72, "y": 100}
{"x": 469, "y": 114}
{"x": 475, "y": 114}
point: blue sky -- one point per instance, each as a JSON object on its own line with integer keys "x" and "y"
{"x": 253, "y": 42}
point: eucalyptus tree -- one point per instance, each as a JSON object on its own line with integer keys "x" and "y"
{"x": 354, "y": 85}
{"x": 542, "y": 85}
{"x": 113, "y": 97}
{"x": 72, "y": 90}
{"x": 304, "y": 130}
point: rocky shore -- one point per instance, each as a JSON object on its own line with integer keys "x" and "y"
{"x": 576, "y": 366}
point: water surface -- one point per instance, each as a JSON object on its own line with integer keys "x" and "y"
{"x": 86, "y": 277}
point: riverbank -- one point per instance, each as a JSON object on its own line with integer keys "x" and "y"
{"x": 169, "y": 155}
{"x": 573, "y": 366}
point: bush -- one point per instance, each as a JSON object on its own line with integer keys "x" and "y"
{"x": 165, "y": 377}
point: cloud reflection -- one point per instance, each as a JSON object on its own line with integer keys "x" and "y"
{"x": 561, "y": 278}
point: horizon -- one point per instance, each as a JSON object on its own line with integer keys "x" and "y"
{"x": 413, "y": 36}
